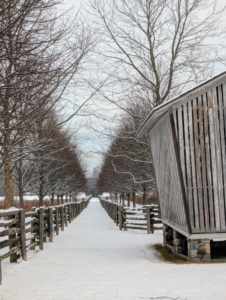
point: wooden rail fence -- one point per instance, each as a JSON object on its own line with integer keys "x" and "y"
{"x": 143, "y": 218}
{"x": 25, "y": 231}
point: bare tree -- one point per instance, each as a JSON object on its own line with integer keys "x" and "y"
{"x": 155, "y": 49}
{"x": 41, "y": 51}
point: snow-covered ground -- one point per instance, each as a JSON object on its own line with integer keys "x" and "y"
{"x": 93, "y": 259}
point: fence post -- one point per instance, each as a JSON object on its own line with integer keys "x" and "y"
{"x": 152, "y": 219}
{"x": 65, "y": 213}
{"x": 73, "y": 210}
{"x": 148, "y": 219}
{"x": 120, "y": 217}
{"x": 69, "y": 206}
{"x": 117, "y": 215}
{"x": 50, "y": 224}
{"x": 57, "y": 220}
{"x": 41, "y": 227}
{"x": 128, "y": 197}
{"x": 13, "y": 257}
{"x": 62, "y": 217}
{"x": 134, "y": 199}
{"x": 23, "y": 235}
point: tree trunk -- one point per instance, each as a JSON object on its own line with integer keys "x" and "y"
{"x": 20, "y": 187}
{"x": 41, "y": 186}
{"x": 144, "y": 194}
{"x": 52, "y": 199}
{"x": 9, "y": 185}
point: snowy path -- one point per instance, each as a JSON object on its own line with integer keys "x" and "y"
{"x": 92, "y": 259}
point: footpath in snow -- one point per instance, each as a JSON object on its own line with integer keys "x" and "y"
{"x": 93, "y": 259}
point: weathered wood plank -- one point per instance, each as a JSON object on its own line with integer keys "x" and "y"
{"x": 22, "y": 235}
{"x": 9, "y": 213}
{"x": 203, "y": 163}
{"x": 218, "y": 158}
{"x": 193, "y": 170}
{"x": 222, "y": 118}
{"x": 198, "y": 163}
{"x": 120, "y": 217}
{"x": 213, "y": 160}
{"x": 181, "y": 140}
{"x": 7, "y": 243}
{"x": 12, "y": 252}
{"x": 135, "y": 227}
{"x": 50, "y": 224}
{"x": 41, "y": 228}
{"x": 148, "y": 221}
{"x": 31, "y": 214}
{"x": 9, "y": 222}
{"x": 208, "y": 162}
{"x": 188, "y": 163}
{"x": 57, "y": 220}
{"x": 33, "y": 221}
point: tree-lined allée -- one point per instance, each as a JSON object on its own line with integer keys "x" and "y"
{"x": 41, "y": 50}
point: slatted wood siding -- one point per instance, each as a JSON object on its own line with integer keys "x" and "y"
{"x": 167, "y": 177}
{"x": 201, "y": 136}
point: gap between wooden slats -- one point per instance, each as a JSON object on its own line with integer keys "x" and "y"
{"x": 208, "y": 164}
{"x": 203, "y": 163}
{"x": 219, "y": 160}
{"x": 198, "y": 163}
{"x": 193, "y": 169}
{"x": 213, "y": 159}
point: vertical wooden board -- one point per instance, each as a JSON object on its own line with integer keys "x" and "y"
{"x": 219, "y": 160}
{"x": 41, "y": 227}
{"x": 208, "y": 162}
{"x": 203, "y": 163}
{"x": 188, "y": 163}
{"x": 175, "y": 119}
{"x": 23, "y": 235}
{"x": 148, "y": 220}
{"x": 181, "y": 140}
{"x": 213, "y": 160}
{"x": 57, "y": 220}
{"x": 193, "y": 169}
{"x": 50, "y": 229}
{"x": 222, "y": 113}
{"x": 62, "y": 217}
{"x": 198, "y": 163}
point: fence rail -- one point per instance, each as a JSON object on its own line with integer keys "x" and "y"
{"x": 25, "y": 231}
{"x": 143, "y": 218}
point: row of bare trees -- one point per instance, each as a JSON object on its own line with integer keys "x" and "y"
{"x": 42, "y": 50}
{"x": 127, "y": 165}
{"x": 151, "y": 51}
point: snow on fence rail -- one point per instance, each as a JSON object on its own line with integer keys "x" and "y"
{"x": 25, "y": 231}
{"x": 144, "y": 218}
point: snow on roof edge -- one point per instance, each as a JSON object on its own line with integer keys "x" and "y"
{"x": 162, "y": 108}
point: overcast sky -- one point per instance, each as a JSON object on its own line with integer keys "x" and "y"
{"x": 94, "y": 140}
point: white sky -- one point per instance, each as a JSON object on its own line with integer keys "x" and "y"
{"x": 93, "y": 142}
